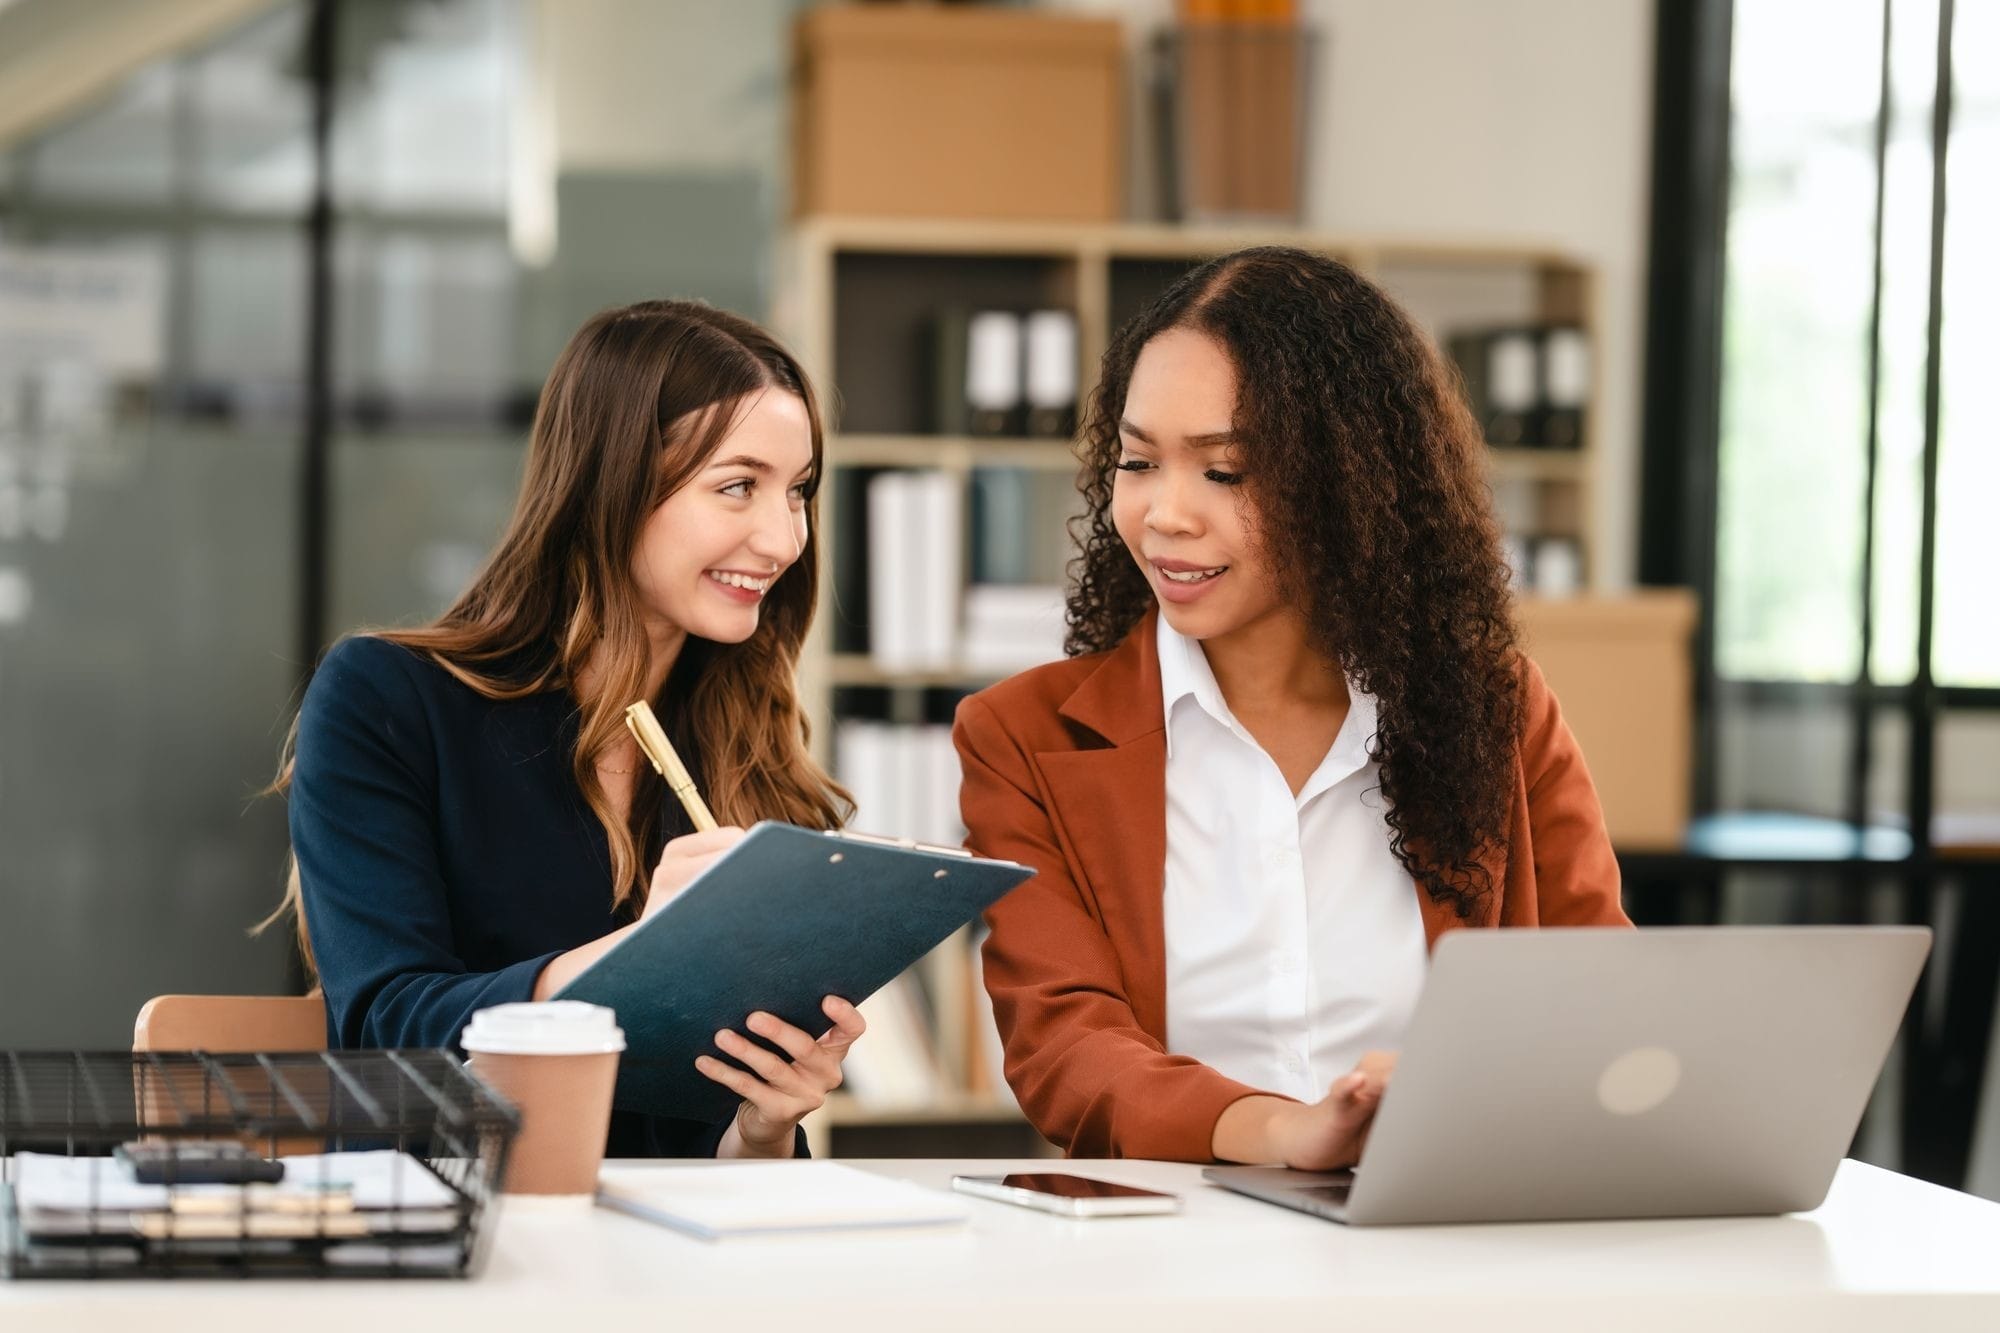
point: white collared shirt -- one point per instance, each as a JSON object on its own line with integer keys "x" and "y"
{"x": 1294, "y": 939}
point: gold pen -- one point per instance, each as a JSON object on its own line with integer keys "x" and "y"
{"x": 653, "y": 740}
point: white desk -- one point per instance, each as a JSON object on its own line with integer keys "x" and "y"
{"x": 1884, "y": 1253}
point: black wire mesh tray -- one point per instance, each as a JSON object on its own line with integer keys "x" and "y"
{"x": 390, "y": 1162}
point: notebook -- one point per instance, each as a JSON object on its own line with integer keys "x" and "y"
{"x": 773, "y": 1198}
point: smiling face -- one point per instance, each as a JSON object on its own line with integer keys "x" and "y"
{"x": 1177, "y": 500}
{"x": 707, "y": 557}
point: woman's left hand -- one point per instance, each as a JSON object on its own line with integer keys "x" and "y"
{"x": 778, "y": 1092}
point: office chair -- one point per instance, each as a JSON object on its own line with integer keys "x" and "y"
{"x": 230, "y": 1023}
{"x": 225, "y": 1024}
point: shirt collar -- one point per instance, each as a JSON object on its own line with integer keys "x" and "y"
{"x": 1185, "y": 674}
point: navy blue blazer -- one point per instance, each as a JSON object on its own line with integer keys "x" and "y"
{"x": 446, "y": 854}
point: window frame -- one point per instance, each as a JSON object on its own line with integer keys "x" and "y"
{"x": 1681, "y": 425}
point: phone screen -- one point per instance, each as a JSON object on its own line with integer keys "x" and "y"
{"x": 1075, "y": 1187}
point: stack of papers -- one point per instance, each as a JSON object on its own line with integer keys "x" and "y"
{"x": 774, "y": 1198}
{"x": 70, "y": 1207}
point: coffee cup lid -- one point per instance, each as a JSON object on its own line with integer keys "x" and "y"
{"x": 552, "y": 1027}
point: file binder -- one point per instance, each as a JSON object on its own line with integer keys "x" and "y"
{"x": 785, "y": 918}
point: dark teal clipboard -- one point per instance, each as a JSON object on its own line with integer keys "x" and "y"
{"x": 786, "y": 917}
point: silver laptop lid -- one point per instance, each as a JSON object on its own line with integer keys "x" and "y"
{"x": 1618, "y": 1073}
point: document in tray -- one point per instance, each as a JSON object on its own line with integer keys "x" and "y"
{"x": 773, "y": 1198}
{"x": 785, "y": 918}
{"x": 350, "y": 1193}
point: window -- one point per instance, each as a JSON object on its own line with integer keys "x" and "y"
{"x": 1826, "y": 306}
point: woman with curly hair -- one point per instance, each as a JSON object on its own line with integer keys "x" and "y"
{"x": 1294, "y": 741}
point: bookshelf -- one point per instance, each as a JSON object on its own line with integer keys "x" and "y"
{"x": 857, "y": 300}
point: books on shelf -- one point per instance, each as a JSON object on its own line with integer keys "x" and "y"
{"x": 1011, "y": 627}
{"x": 1528, "y": 385}
{"x": 931, "y": 1036}
{"x": 1500, "y": 368}
{"x": 904, "y": 779}
{"x": 1556, "y": 567}
{"x": 1004, "y": 372}
{"x": 993, "y": 373}
{"x": 921, "y": 615}
{"x": 1050, "y": 373}
{"x": 1020, "y": 524}
{"x": 986, "y": 1059}
{"x": 1545, "y": 566}
{"x": 1565, "y": 383}
{"x": 897, "y": 1064}
{"x": 1003, "y": 525}
{"x": 916, "y": 539}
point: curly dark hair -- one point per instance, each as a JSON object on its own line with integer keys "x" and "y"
{"x": 1363, "y": 464}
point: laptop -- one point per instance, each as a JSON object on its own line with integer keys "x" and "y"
{"x": 1605, "y": 1073}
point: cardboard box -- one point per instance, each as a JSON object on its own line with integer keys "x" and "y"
{"x": 1622, "y": 671}
{"x": 913, "y": 111}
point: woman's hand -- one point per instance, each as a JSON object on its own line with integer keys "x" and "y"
{"x": 684, "y": 858}
{"x": 1331, "y": 1132}
{"x": 1325, "y": 1136}
{"x": 779, "y": 1092}
{"x": 680, "y": 861}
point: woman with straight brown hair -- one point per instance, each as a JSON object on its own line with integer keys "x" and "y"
{"x": 471, "y": 822}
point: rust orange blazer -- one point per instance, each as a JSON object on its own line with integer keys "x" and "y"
{"x": 1065, "y": 770}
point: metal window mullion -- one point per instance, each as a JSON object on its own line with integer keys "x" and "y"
{"x": 315, "y": 467}
{"x": 1924, "y": 701}
{"x": 1714, "y": 60}
{"x": 1861, "y": 745}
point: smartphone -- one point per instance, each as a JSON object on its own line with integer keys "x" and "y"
{"x": 181, "y": 1162}
{"x": 1071, "y": 1196}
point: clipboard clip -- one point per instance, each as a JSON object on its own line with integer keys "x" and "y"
{"x": 907, "y": 844}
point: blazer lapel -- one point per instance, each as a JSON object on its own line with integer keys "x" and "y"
{"x": 1111, "y": 806}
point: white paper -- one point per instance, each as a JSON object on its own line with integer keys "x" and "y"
{"x": 383, "y": 1178}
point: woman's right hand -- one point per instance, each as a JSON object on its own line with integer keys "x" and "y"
{"x": 684, "y": 858}
{"x": 1331, "y": 1132}
{"x": 680, "y": 861}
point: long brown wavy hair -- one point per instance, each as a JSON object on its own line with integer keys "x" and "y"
{"x": 1363, "y": 465}
{"x": 634, "y": 407}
